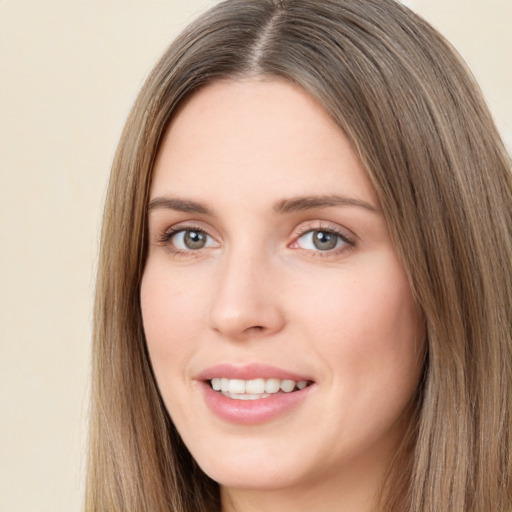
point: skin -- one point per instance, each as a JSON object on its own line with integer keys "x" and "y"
{"x": 260, "y": 291}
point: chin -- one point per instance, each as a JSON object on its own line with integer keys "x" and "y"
{"x": 255, "y": 478}
{"x": 256, "y": 473}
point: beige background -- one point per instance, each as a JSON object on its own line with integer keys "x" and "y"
{"x": 69, "y": 70}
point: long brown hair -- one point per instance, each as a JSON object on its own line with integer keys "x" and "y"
{"x": 417, "y": 119}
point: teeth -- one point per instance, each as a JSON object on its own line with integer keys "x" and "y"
{"x": 247, "y": 396}
{"x": 254, "y": 388}
{"x": 287, "y": 385}
{"x": 272, "y": 385}
{"x": 236, "y": 386}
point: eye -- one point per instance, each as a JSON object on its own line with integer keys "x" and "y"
{"x": 322, "y": 240}
{"x": 191, "y": 240}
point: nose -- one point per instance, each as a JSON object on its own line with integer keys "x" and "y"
{"x": 246, "y": 299}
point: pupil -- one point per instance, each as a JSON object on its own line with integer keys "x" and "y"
{"x": 324, "y": 241}
{"x": 195, "y": 239}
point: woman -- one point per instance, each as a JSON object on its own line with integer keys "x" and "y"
{"x": 304, "y": 289}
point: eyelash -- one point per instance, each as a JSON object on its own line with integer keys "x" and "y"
{"x": 349, "y": 243}
{"x": 169, "y": 233}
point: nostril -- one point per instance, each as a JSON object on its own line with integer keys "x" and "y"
{"x": 256, "y": 328}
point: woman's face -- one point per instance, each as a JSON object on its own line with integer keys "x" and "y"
{"x": 270, "y": 266}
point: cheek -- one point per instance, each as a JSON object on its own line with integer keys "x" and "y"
{"x": 171, "y": 315}
{"x": 171, "y": 303}
{"x": 369, "y": 337}
{"x": 367, "y": 328}
{"x": 390, "y": 355}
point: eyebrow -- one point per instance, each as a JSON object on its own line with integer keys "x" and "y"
{"x": 283, "y": 206}
{"x": 317, "y": 202}
{"x": 179, "y": 205}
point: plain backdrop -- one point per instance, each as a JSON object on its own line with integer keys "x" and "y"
{"x": 69, "y": 71}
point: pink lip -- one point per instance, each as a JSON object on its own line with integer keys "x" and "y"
{"x": 250, "y": 412}
{"x": 249, "y": 371}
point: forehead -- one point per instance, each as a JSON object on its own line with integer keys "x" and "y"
{"x": 253, "y": 135}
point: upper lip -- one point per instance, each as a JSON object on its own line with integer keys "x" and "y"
{"x": 249, "y": 371}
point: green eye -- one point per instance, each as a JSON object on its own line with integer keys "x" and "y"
{"x": 192, "y": 240}
{"x": 321, "y": 240}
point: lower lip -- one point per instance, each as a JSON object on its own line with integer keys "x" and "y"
{"x": 251, "y": 412}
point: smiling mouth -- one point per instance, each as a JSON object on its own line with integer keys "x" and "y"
{"x": 255, "y": 389}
